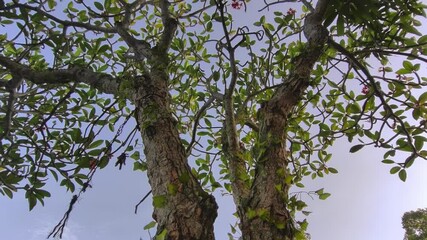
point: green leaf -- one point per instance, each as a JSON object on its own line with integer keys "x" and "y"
{"x": 51, "y": 3}
{"x": 135, "y": 155}
{"x": 172, "y": 189}
{"x": 356, "y": 148}
{"x": 320, "y": 191}
{"x": 103, "y": 162}
{"x": 387, "y": 161}
{"x": 99, "y": 6}
{"x": 159, "y": 201}
{"x": 251, "y": 213}
{"x": 403, "y": 71}
{"x": 184, "y": 178}
{"x": 42, "y": 193}
{"x": 32, "y": 200}
{"x": 107, "y": 4}
{"x": 419, "y": 142}
{"x": 340, "y": 25}
{"x": 408, "y": 65}
{"x": 354, "y": 108}
{"x": 96, "y": 144}
{"x": 8, "y": 192}
{"x": 423, "y": 98}
{"x": 139, "y": 166}
{"x": 324, "y": 196}
{"x": 410, "y": 160}
{"x": 422, "y": 40}
{"x": 150, "y": 225}
{"x": 162, "y": 235}
{"x": 412, "y": 29}
{"x": 394, "y": 170}
{"x": 402, "y": 175}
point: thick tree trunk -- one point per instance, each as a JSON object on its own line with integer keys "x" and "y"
{"x": 181, "y": 207}
{"x": 266, "y": 215}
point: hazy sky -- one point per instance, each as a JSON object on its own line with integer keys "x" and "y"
{"x": 366, "y": 203}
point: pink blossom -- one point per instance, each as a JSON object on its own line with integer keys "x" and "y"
{"x": 236, "y": 4}
{"x": 291, "y": 11}
{"x": 365, "y": 89}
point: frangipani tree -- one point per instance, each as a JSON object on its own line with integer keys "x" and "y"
{"x": 250, "y": 109}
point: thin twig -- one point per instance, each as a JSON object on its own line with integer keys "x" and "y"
{"x": 142, "y": 200}
{"x": 196, "y": 123}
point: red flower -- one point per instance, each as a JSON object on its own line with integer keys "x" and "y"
{"x": 291, "y": 11}
{"x": 236, "y": 4}
{"x": 365, "y": 89}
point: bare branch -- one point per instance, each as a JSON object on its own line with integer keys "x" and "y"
{"x": 142, "y": 200}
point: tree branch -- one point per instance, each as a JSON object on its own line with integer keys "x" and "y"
{"x": 170, "y": 25}
{"x": 377, "y": 90}
{"x": 141, "y": 48}
{"x": 101, "y": 81}
{"x": 63, "y": 22}
{"x": 196, "y": 123}
{"x": 267, "y": 5}
{"x": 12, "y": 85}
{"x": 231, "y": 141}
{"x": 391, "y": 52}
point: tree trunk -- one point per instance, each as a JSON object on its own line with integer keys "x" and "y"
{"x": 182, "y": 209}
{"x": 266, "y": 215}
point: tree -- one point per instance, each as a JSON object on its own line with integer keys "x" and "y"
{"x": 415, "y": 224}
{"x": 249, "y": 109}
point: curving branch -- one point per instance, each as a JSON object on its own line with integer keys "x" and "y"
{"x": 105, "y": 83}
{"x": 196, "y": 123}
{"x": 231, "y": 141}
{"x": 378, "y": 93}
{"x": 86, "y": 26}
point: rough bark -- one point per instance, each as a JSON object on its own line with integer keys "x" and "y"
{"x": 266, "y": 215}
{"x": 182, "y": 207}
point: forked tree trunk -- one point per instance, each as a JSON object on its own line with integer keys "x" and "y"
{"x": 182, "y": 209}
